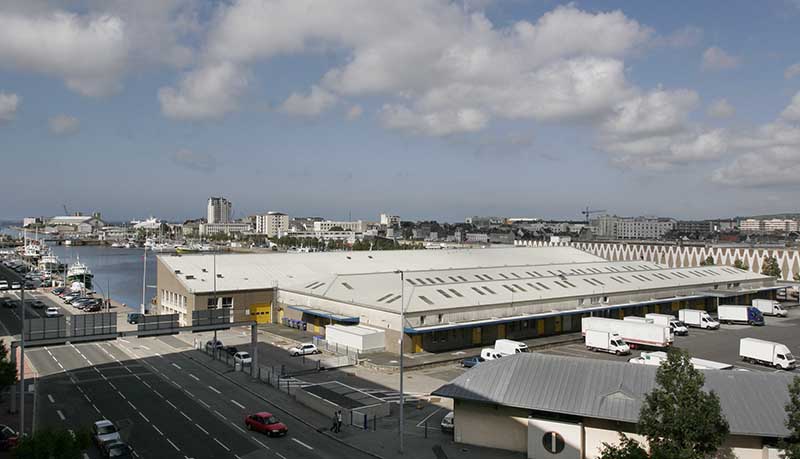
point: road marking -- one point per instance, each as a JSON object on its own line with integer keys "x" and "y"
{"x": 147, "y": 384}
{"x": 50, "y": 397}
{"x": 157, "y": 393}
{"x": 301, "y": 443}
{"x": 143, "y": 417}
{"x": 201, "y": 428}
{"x": 194, "y": 377}
{"x": 122, "y": 395}
{"x": 215, "y": 390}
{"x": 204, "y": 403}
{"x": 237, "y": 426}
{"x": 132, "y": 405}
{"x": 185, "y": 415}
{"x": 95, "y": 407}
{"x": 237, "y": 404}
{"x": 189, "y": 393}
{"x": 112, "y": 385}
{"x": 173, "y": 445}
{"x": 87, "y": 398}
{"x": 280, "y": 455}
{"x": 420, "y": 423}
{"x": 222, "y": 445}
{"x": 219, "y": 414}
{"x": 159, "y": 355}
{"x": 259, "y": 442}
{"x": 176, "y": 384}
{"x": 170, "y": 404}
{"x": 157, "y": 430}
{"x": 61, "y": 415}
{"x": 176, "y": 365}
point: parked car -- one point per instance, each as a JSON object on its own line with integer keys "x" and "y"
{"x": 52, "y": 311}
{"x": 470, "y": 362}
{"x": 135, "y": 317}
{"x": 8, "y": 438}
{"x": 448, "y": 423}
{"x": 70, "y": 296}
{"x": 116, "y": 448}
{"x": 57, "y": 290}
{"x": 103, "y": 431}
{"x": 265, "y": 423}
{"x": 4, "y": 302}
{"x": 242, "y": 358}
{"x": 15, "y": 286}
{"x": 304, "y": 349}
{"x": 212, "y": 344}
{"x": 230, "y": 350}
{"x": 3, "y": 285}
{"x": 80, "y": 302}
{"x": 93, "y": 307}
{"x": 38, "y": 304}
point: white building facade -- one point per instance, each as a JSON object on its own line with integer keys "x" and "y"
{"x": 209, "y": 229}
{"x": 357, "y": 226}
{"x": 219, "y": 210}
{"x": 273, "y": 224}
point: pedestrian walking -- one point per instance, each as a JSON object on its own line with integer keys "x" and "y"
{"x": 339, "y": 421}
{"x": 334, "y": 422}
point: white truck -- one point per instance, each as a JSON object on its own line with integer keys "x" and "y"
{"x": 697, "y": 318}
{"x": 658, "y": 357}
{"x": 734, "y": 313}
{"x": 509, "y": 347}
{"x": 634, "y": 333}
{"x": 769, "y": 307}
{"x": 641, "y": 320}
{"x": 597, "y": 340}
{"x": 490, "y": 353}
{"x": 678, "y": 327}
{"x": 766, "y": 353}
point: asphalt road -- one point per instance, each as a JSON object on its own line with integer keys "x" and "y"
{"x": 166, "y": 404}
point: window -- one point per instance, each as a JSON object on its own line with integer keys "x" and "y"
{"x": 543, "y": 286}
{"x": 422, "y": 320}
{"x": 605, "y": 299}
{"x": 319, "y": 284}
{"x": 452, "y": 278}
{"x": 430, "y": 281}
{"x": 212, "y": 303}
{"x": 440, "y": 280}
{"x": 516, "y": 286}
{"x": 508, "y": 288}
{"x": 443, "y": 293}
{"x": 533, "y": 286}
{"x": 504, "y": 276}
{"x": 598, "y": 281}
{"x": 516, "y": 275}
{"x": 488, "y": 277}
{"x": 595, "y": 299}
{"x": 425, "y": 299}
{"x": 489, "y": 290}
{"x": 347, "y": 286}
{"x": 395, "y": 298}
{"x": 227, "y": 301}
{"x": 411, "y": 281}
{"x": 569, "y": 283}
{"x": 462, "y": 278}
{"x": 384, "y": 297}
{"x": 440, "y": 317}
{"x": 456, "y": 293}
{"x": 479, "y": 291}
{"x": 581, "y": 301}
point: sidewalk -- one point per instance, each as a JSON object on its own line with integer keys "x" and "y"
{"x": 382, "y": 442}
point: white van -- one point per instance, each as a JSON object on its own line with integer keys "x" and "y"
{"x": 509, "y": 347}
{"x": 490, "y": 353}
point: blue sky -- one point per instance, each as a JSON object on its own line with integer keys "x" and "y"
{"x": 425, "y": 108}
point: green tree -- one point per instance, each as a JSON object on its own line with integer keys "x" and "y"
{"x": 628, "y": 448}
{"x": 791, "y": 445}
{"x": 739, "y": 264}
{"x": 680, "y": 419}
{"x": 770, "y": 267}
{"x": 52, "y": 443}
{"x": 8, "y": 371}
{"x": 796, "y": 277}
{"x": 707, "y": 262}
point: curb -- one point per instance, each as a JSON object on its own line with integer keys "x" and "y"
{"x": 287, "y": 411}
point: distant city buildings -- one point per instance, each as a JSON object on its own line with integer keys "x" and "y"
{"x": 326, "y": 225}
{"x": 210, "y": 229}
{"x": 753, "y": 225}
{"x": 632, "y": 227}
{"x": 76, "y": 224}
{"x": 219, "y": 210}
{"x": 272, "y": 224}
{"x": 392, "y": 221}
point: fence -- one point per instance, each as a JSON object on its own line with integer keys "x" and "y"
{"x": 276, "y": 377}
{"x": 336, "y": 348}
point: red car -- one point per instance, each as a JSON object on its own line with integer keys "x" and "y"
{"x": 265, "y": 423}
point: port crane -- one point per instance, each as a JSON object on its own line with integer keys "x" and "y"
{"x": 588, "y": 212}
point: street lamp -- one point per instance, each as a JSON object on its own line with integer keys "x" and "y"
{"x": 402, "y": 334}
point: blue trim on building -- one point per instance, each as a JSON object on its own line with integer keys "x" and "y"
{"x": 327, "y": 315}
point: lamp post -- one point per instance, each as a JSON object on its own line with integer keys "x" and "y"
{"x": 402, "y": 334}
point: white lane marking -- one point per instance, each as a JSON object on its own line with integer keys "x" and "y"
{"x": 157, "y": 393}
{"x": 194, "y": 377}
{"x": 61, "y": 415}
{"x": 144, "y": 347}
{"x": 201, "y": 428}
{"x": 143, "y": 416}
{"x": 176, "y": 365}
{"x": 170, "y": 404}
{"x": 280, "y": 455}
{"x": 420, "y": 423}
{"x": 123, "y": 340}
{"x": 215, "y": 390}
{"x": 147, "y": 384}
{"x": 50, "y": 397}
{"x": 112, "y": 385}
{"x": 259, "y": 442}
{"x": 237, "y": 426}
{"x": 219, "y": 414}
{"x": 158, "y": 430}
{"x": 122, "y": 395}
{"x": 159, "y": 355}
{"x": 132, "y": 405}
{"x": 95, "y": 407}
{"x": 185, "y": 415}
{"x": 173, "y": 445}
{"x": 222, "y": 445}
{"x": 87, "y": 398}
{"x": 301, "y": 443}
{"x": 189, "y": 394}
{"x": 60, "y": 366}
{"x": 237, "y": 404}
{"x": 176, "y": 384}
{"x": 204, "y": 403}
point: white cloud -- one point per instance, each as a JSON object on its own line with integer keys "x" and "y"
{"x": 792, "y": 71}
{"x": 208, "y": 92}
{"x": 438, "y": 123}
{"x": 64, "y": 125}
{"x": 354, "y": 112}
{"x": 8, "y": 106}
{"x": 655, "y": 113}
{"x": 721, "y": 109}
{"x": 792, "y": 112}
{"x": 715, "y": 58}
{"x": 315, "y": 102}
{"x": 200, "y": 162}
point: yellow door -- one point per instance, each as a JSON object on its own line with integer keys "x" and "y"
{"x": 501, "y": 330}
{"x": 476, "y": 335}
{"x": 417, "y": 340}
{"x": 540, "y": 327}
{"x": 260, "y": 313}
{"x": 620, "y": 313}
{"x": 676, "y": 305}
{"x": 557, "y": 324}
{"x": 316, "y": 325}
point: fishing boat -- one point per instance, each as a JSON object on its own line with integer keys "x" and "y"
{"x": 187, "y": 248}
{"x": 50, "y": 263}
{"x": 79, "y": 272}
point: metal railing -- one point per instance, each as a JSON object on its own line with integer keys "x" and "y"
{"x": 336, "y": 348}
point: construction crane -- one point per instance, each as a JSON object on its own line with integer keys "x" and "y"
{"x": 588, "y": 212}
{"x": 66, "y": 212}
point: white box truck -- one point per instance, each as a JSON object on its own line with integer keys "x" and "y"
{"x": 769, "y": 307}
{"x": 766, "y": 353}
{"x": 697, "y": 318}
{"x": 509, "y": 347}
{"x": 678, "y": 327}
{"x": 597, "y": 340}
{"x": 490, "y": 353}
{"x": 658, "y": 357}
{"x": 738, "y": 314}
{"x": 642, "y": 320}
{"x": 634, "y": 333}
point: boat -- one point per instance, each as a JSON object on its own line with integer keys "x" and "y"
{"x": 187, "y": 248}
{"x": 117, "y": 245}
{"x": 79, "y": 272}
{"x": 50, "y": 263}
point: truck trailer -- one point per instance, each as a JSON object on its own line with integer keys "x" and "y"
{"x": 739, "y": 314}
{"x": 766, "y": 353}
{"x": 634, "y": 333}
{"x": 769, "y": 307}
{"x": 659, "y": 357}
{"x": 697, "y": 318}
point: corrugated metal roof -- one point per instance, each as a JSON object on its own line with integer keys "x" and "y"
{"x": 753, "y": 402}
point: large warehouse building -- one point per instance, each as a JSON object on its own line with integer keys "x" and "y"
{"x": 452, "y": 298}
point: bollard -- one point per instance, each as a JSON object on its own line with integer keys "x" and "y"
{"x": 426, "y": 428}
{"x": 374, "y": 423}
{"x": 366, "y": 427}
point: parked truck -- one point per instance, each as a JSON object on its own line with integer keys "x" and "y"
{"x": 697, "y": 318}
{"x": 490, "y": 353}
{"x": 739, "y": 314}
{"x": 509, "y": 347}
{"x": 634, "y": 333}
{"x": 769, "y": 307}
{"x": 658, "y": 357}
{"x": 641, "y": 320}
{"x": 677, "y": 327}
{"x": 597, "y": 340}
{"x": 766, "y": 353}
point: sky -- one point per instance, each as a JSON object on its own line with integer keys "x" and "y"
{"x": 429, "y": 109}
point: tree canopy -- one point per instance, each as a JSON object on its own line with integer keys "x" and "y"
{"x": 791, "y": 445}
{"x": 53, "y": 443}
{"x": 8, "y": 371}
{"x": 739, "y": 264}
{"x": 770, "y": 267}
